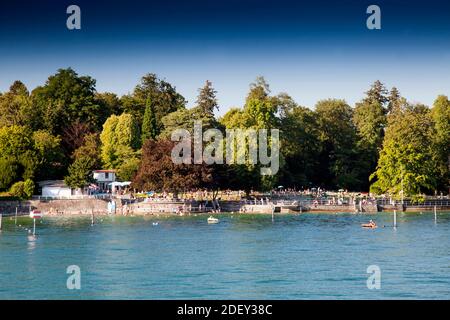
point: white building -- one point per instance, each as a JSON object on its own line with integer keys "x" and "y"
{"x": 55, "y": 188}
{"x": 104, "y": 177}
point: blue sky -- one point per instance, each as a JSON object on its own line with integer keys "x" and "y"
{"x": 311, "y": 50}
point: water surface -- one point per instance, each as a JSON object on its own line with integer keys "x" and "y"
{"x": 308, "y": 256}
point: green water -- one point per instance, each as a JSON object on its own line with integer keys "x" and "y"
{"x": 308, "y": 256}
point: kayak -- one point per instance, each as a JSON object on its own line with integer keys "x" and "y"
{"x": 368, "y": 225}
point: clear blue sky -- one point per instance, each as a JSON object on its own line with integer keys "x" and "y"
{"x": 311, "y": 50}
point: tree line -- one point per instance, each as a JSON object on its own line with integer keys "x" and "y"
{"x": 64, "y": 129}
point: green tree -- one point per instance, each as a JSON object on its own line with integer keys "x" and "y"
{"x": 149, "y": 128}
{"x": 259, "y": 112}
{"x": 127, "y": 131}
{"x": 370, "y": 121}
{"x": 89, "y": 149}
{"x": 9, "y": 172}
{"x": 49, "y": 154}
{"x": 128, "y": 169}
{"x": 109, "y": 141}
{"x": 206, "y": 100}
{"x": 259, "y": 90}
{"x": 377, "y": 94}
{"x": 109, "y": 104}
{"x": 22, "y": 190}
{"x": 16, "y": 145}
{"x": 15, "y": 106}
{"x": 338, "y": 166}
{"x": 301, "y": 147}
{"x": 80, "y": 173}
{"x": 406, "y": 160}
{"x": 395, "y": 100}
{"x": 120, "y": 140}
{"x": 440, "y": 114}
{"x": 164, "y": 97}
{"x": 65, "y": 98}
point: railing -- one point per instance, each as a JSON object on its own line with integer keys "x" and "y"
{"x": 409, "y": 203}
{"x": 75, "y": 197}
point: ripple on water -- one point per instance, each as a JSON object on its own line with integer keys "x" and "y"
{"x": 308, "y": 256}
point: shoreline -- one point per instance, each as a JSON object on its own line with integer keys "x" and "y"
{"x": 123, "y": 207}
{"x": 225, "y": 213}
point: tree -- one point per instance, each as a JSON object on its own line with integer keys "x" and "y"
{"x": 338, "y": 159}
{"x": 9, "y": 172}
{"x": 109, "y": 141}
{"x": 370, "y": 121}
{"x": 16, "y": 145}
{"x": 259, "y": 89}
{"x": 15, "y": 141}
{"x": 406, "y": 161}
{"x": 377, "y": 94}
{"x": 395, "y": 100}
{"x": 185, "y": 119}
{"x": 15, "y": 106}
{"x": 128, "y": 169}
{"x": 89, "y": 149}
{"x": 80, "y": 173}
{"x": 22, "y": 190}
{"x": 65, "y": 98}
{"x": 72, "y": 136}
{"x": 149, "y": 128}
{"x": 259, "y": 112}
{"x": 127, "y": 131}
{"x": 120, "y": 139}
{"x": 301, "y": 147}
{"x": 206, "y": 100}
{"x": 49, "y": 155}
{"x": 164, "y": 97}
{"x": 440, "y": 114}
{"x": 158, "y": 172}
{"x": 109, "y": 104}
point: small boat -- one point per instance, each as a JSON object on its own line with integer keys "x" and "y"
{"x": 369, "y": 225}
{"x": 211, "y": 219}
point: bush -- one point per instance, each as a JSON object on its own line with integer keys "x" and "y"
{"x": 22, "y": 190}
{"x": 8, "y": 172}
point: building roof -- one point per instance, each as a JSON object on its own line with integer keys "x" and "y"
{"x": 53, "y": 183}
{"x": 108, "y": 171}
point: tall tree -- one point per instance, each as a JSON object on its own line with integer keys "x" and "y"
{"x": 15, "y": 106}
{"x": 301, "y": 148}
{"x": 17, "y": 149}
{"x": 89, "y": 149}
{"x": 120, "y": 140}
{"x": 441, "y": 141}
{"x": 377, "y": 94}
{"x": 158, "y": 172}
{"x": 338, "y": 159}
{"x": 80, "y": 173}
{"x": 109, "y": 104}
{"x": 259, "y": 89}
{"x": 406, "y": 161}
{"x": 164, "y": 97}
{"x": 370, "y": 121}
{"x": 149, "y": 128}
{"x": 395, "y": 100}
{"x": 65, "y": 98}
{"x": 49, "y": 155}
{"x": 206, "y": 100}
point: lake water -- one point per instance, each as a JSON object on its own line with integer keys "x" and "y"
{"x": 308, "y": 256}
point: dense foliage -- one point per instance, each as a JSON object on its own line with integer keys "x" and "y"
{"x": 64, "y": 129}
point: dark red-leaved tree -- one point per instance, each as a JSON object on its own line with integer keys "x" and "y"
{"x": 158, "y": 172}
